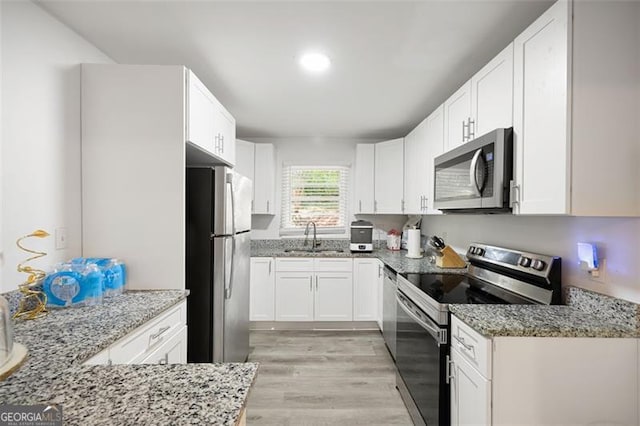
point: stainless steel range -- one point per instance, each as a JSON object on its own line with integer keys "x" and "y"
{"x": 495, "y": 276}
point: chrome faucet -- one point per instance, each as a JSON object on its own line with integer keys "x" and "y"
{"x": 306, "y": 235}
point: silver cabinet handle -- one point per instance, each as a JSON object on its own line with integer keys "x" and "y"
{"x": 472, "y": 134}
{"x": 269, "y": 266}
{"x": 267, "y": 206}
{"x": 375, "y": 206}
{"x": 360, "y": 204}
{"x": 464, "y": 135}
{"x": 379, "y": 271}
{"x": 164, "y": 360}
{"x": 222, "y": 143}
{"x": 463, "y": 343}
{"x": 160, "y": 332}
{"x": 310, "y": 283}
{"x": 316, "y": 283}
{"x": 513, "y": 189}
{"x": 450, "y": 368}
{"x": 402, "y": 206}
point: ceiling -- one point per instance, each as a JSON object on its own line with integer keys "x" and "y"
{"x": 393, "y": 62}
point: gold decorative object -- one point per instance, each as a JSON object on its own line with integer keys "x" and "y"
{"x": 34, "y": 301}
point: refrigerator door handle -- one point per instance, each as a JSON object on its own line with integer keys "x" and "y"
{"x": 233, "y": 203}
{"x": 228, "y": 288}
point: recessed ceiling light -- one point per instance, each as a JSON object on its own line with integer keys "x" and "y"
{"x": 315, "y": 62}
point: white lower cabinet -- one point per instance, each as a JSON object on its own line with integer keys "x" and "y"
{"x": 161, "y": 340}
{"x": 333, "y": 297}
{"x": 542, "y": 380}
{"x": 262, "y": 284}
{"x": 470, "y": 393}
{"x": 367, "y": 274}
{"x": 294, "y": 296}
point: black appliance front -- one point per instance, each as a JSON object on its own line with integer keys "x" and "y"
{"x": 199, "y": 267}
{"x": 421, "y": 351}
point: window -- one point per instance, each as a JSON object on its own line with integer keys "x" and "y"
{"x": 314, "y": 193}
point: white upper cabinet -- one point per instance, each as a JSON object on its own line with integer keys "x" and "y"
{"x": 245, "y": 155}
{"x": 201, "y": 112}
{"x": 389, "y": 177}
{"x": 541, "y": 120}
{"x": 257, "y": 161}
{"x": 457, "y": 117}
{"x": 265, "y": 179}
{"x": 416, "y": 161}
{"x": 575, "y": 113}
{"x": 435, "y": 147}
{"x": 364, "y": 177}
{"x": 492, "y": 95}
{"x": 209, "y": 125}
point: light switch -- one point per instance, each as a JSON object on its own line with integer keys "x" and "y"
{"x": 61, "y": 238}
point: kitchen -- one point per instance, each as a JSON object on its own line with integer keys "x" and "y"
{"x": 59, "y": 174}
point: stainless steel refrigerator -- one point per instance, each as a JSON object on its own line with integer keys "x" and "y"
{"x": 218, "y": 254}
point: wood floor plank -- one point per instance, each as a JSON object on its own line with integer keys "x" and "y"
{"x": 314, "y": 378}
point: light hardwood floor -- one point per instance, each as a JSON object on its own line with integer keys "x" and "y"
{"x": 323, "y": 378}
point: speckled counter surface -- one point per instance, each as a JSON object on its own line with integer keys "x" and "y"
{"x": 396, "y": 260}
{"x": 586, "y": 314}
{"x": 125, "y": 394}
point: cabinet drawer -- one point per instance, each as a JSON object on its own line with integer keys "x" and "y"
{"x": 173, "y": 351}
{"x": 142, "y": 341}
{"x": 333, "y": 264}
{"x": 474, "y": 347}
{"x": 294, "y": 264}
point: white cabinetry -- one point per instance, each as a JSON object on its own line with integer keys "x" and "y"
{"x": 416, "y": 162}
{"x": 576, "y": 111}
{"x": 435, "y": 147}
{"x": 367, "y": 276}
{"x": 364, "y": 178}
{"x": 262, "y": 289}
{"x": 162, "y": 340}
{"x": 457, "y": 115}
{"x": 265, "y": 180}
{"x": 141, "y": 125}
{"x": 492, "y": 94}
{"x": 257, "y": 161}
{"x": 389, "y": 177}
{"x": 537, "y": 380}
{"x": 308, "y": 289}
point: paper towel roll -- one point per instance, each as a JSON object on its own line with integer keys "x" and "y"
{"x": 413, "y": 243}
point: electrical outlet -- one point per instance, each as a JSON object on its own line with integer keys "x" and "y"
{"x": 61, "y": 238}
{"x": 599, "y": 276}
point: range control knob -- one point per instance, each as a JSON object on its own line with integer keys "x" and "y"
{"x": 472, "y": 250}
{"x": 479, "y": 251}
{"x": 524, "y": 262}
{"x": 538, "y": 265}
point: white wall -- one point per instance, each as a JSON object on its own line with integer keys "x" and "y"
{"x": 618, "y": 240}
{"x": 321, "y": 152}
{"x": 40, "y": 161}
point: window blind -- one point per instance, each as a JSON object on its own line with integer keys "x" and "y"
{"x": 314, "y": 194}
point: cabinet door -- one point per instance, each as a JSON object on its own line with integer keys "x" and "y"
{"x": 435, "y": 147}
{"x": 470, "y": 394}
{"x": 265, "y": 179}
{"x": 262, "y": 289}
{"x": 366, "y": 273}
{"x": 333, "y": 296}
{"x": 389, "y": 177}
{"x": 173, "y": 351}
{"x": 457, "y": 113}
{"x": 540, "y": 120}
{"x": 201, "y": 115}
{"x": 365, "y": 177}
{"x": 415, "y": 166}
{"x": 245, "y": 154}
{"x": 225, "y": 135}
{"x": 492, "y": 94}
{"x": 294, "y": 296}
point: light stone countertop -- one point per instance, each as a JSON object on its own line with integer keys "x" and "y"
{"x": 59, "y": 343}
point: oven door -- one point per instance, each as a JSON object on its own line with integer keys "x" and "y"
{"x": 421, "y": 351}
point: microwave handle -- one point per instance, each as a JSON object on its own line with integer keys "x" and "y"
{"x": 477, "y": 158}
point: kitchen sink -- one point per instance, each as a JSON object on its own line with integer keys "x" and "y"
{"x": 317, "y": 251}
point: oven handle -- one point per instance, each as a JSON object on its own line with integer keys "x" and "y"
{"x": 435, "y": 331}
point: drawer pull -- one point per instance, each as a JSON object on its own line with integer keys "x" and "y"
{"x": 160, "y": 332}
{"x": 465, "y": 345}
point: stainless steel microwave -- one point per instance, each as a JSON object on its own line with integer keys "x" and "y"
{"x": 476, "y": 176}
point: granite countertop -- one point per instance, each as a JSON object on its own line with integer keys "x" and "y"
{"x": 395, "y": 259}
{"x": 587, "y": 314}
{"x": 59, "y": 343}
